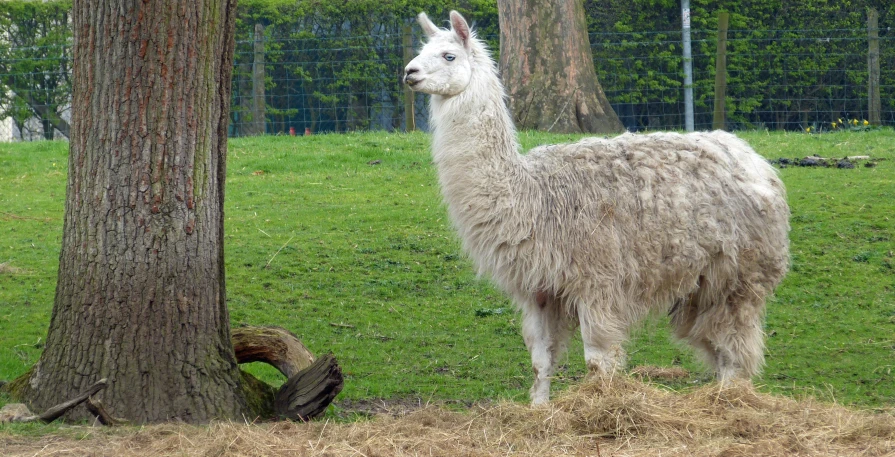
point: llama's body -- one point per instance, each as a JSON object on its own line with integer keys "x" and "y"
{"x": 603, "y": 231}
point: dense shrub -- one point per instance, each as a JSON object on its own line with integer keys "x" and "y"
{"x": 34, "y": 63}
{"x": 335, "y": 66}
{"x": 790, "y": 64}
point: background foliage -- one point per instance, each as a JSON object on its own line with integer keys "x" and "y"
{"x": 34, "y": 62}
{"x": 791, "y": 64}
{"x": 335, "y": 66}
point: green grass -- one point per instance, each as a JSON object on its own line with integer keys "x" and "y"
{"x": 358, "y": 258}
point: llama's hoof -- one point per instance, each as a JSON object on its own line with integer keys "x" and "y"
{"x": 733, "y": 381}
{"x": 539, "y": 394}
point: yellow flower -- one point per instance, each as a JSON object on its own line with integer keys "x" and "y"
{"x": 833, "y": 124}
{"x": 808, "y": 130}
{"x": 840, "y": 120}
{"x": 866, "y": 122}
{"x": 854, "y": 121}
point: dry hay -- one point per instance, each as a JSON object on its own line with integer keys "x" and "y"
{"x": 624, "y": 417}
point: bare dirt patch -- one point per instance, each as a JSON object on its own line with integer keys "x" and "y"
{"x": 6, "y": 268}
{"x": 624, "y": 417}
{"x": 825, "y": 162}
{"x": 661, "y": 373}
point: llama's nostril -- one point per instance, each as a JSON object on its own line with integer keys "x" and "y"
{"x": 410, "y": 76}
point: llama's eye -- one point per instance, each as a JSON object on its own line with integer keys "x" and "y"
{"x": 449, "y": 57}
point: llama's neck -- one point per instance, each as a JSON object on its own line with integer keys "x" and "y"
{"x": 480, "y": 169}
{"x": 474, "y": 125}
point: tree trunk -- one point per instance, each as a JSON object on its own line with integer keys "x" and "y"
{"x": 140, "y": 297}
{"x": 259, "y": 103}
{"x": 245, "y": 99}
{"x": 49, "y": 132}
{"x": 548, "y": 69}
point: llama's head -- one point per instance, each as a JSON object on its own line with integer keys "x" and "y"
{"x": 444, "y": 65}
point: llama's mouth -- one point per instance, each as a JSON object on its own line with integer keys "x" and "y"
{"x": 411, "y": 82}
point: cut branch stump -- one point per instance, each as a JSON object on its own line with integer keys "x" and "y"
{"x": 307, "y": 394}
{"x": 272, "y": 345}
{"x": 312, "y": 384}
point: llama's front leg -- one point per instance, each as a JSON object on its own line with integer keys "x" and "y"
{"x": 602, "y": 337}
{"x": 545, "y": 330}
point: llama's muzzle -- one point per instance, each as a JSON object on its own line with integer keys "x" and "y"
{"x": 409, "y": 77}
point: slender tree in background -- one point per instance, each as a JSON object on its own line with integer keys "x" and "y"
{"x": 548, "y": 70}
{"x": 140, "y": 298}
{"x": 34, "y": 64}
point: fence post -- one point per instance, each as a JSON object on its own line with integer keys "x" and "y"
{"x": 258, "y": 104}
{"x": 874, "y": 105}
{"x": 719, "y": 120}
{"x": 688, "y": 66}
{"x": 407, "y": 42}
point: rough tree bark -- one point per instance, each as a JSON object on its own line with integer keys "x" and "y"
{"x": 548, "y": 70}
{"x": 140, "y": 298}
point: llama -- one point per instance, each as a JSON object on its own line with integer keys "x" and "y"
{"x": 602, "y": 232}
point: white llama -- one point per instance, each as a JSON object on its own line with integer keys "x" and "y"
{"x": 602, "y": 231}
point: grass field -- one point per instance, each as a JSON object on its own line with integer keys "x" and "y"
{"x": 343, "y": 240}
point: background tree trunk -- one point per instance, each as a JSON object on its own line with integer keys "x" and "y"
{"x": 259, "y": 104}
{"x": 140, "y": 298}
{"x": 548, "y": 69}
{"x": 49, "y": 131}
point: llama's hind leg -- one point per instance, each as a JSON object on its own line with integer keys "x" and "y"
{"x": 545, "y": 329}
{"x": 603, "y": 336}
{"x": 728, "y": 333}
{"x": 740, "y": 351}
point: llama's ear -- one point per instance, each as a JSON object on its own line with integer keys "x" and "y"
{"x": 460, "y": 27}
{"x": 429, "y": 28}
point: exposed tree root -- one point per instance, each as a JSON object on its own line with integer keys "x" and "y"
{"x": 310, "y": 388}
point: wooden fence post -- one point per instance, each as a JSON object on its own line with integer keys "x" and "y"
{"x": 259, "y": 106}
{"x": 874, "y": 105}
{"x": 407, "y": 41}
{"x": 719, "y": 119}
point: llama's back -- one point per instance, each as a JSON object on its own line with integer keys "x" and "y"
{"x": 643, "y": 217}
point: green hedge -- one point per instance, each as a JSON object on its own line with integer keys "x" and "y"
{"x": 335, "y": 66}
{"x": 34, "y": 61}
{"x": 790, "y": 64}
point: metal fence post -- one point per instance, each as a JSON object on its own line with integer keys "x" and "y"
{"x": 688, "y": 66}
{"x": 407, "y": 41}
{"x": 874, "y": 104}
{"x": 719, "y": 117}
{"x": 259, "y": 106}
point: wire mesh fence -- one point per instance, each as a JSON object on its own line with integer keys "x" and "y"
{"x": 776, "y": 79}
{"x": 319, "y": 85}
{"x": 35, "y": 89}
